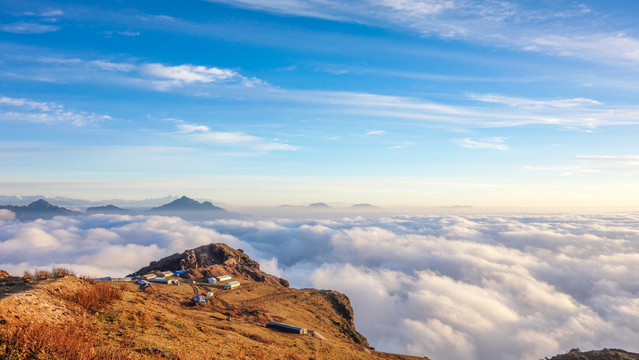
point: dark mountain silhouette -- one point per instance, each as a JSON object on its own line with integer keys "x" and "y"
{"x": 319, "y": 205}
{"x": 108, "y": 209}
{"x": 39, "y": 209}
{"x": 190, "y": 209}
{"x": 187, "y": 204}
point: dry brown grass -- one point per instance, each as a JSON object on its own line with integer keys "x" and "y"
{"x": 98, "y": 296}
{"x": 42, "y": 274}
{"x": 45, "y": 341}
{"x": 61, "y": 272}
{"x": 27, "y": 276}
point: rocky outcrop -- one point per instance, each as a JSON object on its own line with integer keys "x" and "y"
{"x": 605, "y": 354}
{"x": 342, "y": 306}
{"x": 213, "y": 260}
{"x": 4, "y": 274}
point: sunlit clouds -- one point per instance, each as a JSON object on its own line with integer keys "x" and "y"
{"x": 480, "y": 287}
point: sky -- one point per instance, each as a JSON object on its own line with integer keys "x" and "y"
{"x": 261, "y": 103}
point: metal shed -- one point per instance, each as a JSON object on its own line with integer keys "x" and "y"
{"x": 231, "y": 285}
{"x": 286, "y": 328}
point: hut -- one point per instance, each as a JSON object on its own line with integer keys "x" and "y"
{"x": 223, "y": 277}
{"x": 286, "y": 328}
{"x": 199, "y": 299}
{"x": 181, "y": 272}
{"x": 231, "y": 285}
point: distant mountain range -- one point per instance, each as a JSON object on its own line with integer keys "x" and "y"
{"x": 184, "y": 207}
{"x": 38, "y": 209}
{"x": 79, "y": 203}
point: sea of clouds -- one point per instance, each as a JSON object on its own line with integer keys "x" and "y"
{"x": 451, "y": 287}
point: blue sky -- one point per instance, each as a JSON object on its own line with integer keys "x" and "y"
{"x": 391, "y": 102}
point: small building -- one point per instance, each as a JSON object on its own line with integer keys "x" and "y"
{"x": 142, "y": 283}
{"x": 199, "y": 299}
{"x": 165, "y": 281}
{"x": 122, "y": 279}
{"x": 210, "y": 293}
{"x": 212, "y": 280}
{"x": 181, "y": 272}
{"x": 165, "y": 274}
{"x": 231, "y": 285}
{"x": 286, "y": 328}
{"x": 223, "y": 277}
{"x": 149, "y": 276}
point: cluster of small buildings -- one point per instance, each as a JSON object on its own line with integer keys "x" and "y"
{"x": 163, "y": 277}
{"x": 169, "y": 278}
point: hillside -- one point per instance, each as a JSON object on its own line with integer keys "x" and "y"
{"x": 74, "y": 318}
{"x": 605, "y": 354}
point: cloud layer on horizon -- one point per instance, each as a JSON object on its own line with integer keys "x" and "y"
{"x": 472, "y": 287}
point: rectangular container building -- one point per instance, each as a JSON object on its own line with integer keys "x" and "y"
{"x": 286, "y": 328}
{"x": 212, "y": 280}
{"x": 223, "y": 277}
{"x": 231, "y": 285}
{"x": 181, "y": 272}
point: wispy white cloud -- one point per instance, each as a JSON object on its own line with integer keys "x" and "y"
{"x": 46, "y": 13}
{"x": 485, "y": 22}
{"x": 44, "y": 112}
{"x": 483, "y": 110}
{"x": 630, "y": 159}
{"x": 203, "y": 133}
{"x": 610, "y": 46}
{"x": 29, "y": 28}
{"x": 160, "y": 18}
{"x": 402, "y": 146}
{"x": 276, "y": 146}
{"x": 376, "y": 132}
{"x": 573, "y": 170}
{"x": 496, "y": 143}
{"x": 112, "y": 66}
{"x": 525, "y": 103}
{"x": 222, "y": 137}
{"x": 123, "y": 33}
{"x": 188, "y": 74}
{"x": 191, "y": 128}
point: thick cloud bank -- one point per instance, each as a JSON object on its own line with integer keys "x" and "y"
{"x": 445, "y": 287}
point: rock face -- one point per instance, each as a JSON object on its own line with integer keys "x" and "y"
{"x": 342, "y": 306}
{"x": 605, "y": 354}
{"x": 213, "y": 260}
{"x": 4, "y": 274}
